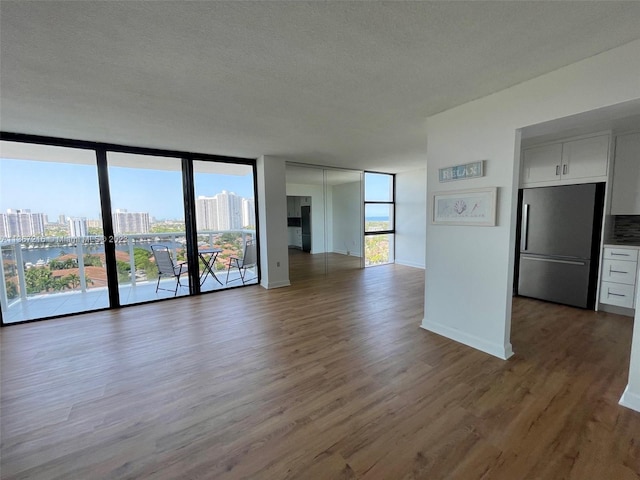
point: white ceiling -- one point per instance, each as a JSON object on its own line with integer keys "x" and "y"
{"x": 340, "y": 83}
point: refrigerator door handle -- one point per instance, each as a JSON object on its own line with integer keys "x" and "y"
{"x": 525, "y": 227}
{"x": 554, "y": 260}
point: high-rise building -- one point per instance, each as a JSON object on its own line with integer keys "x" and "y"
{"x": 206, "y": 213}
{"x": 21, "y": 223}
{"x": 94, "y": 223}
{"x": 130, "y": 222}
{"x": 223, "y": 211}
{"x": 77, "y": 227}
{"x": 248, "y": 213}
{"x": 229, "y": 211}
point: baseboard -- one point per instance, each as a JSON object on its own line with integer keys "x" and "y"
{"x": 270, "y": 285}
{"x": 501, "y": 351}
{"x": 349, "y": 253}
{"x": 409, "y": 264}
{"x": 627, "y": 312}
{"x": 630, "y": 400}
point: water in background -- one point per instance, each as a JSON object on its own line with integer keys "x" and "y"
{"x": 32, "y": 255}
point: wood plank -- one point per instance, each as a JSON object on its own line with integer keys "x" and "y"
{"x": 329, "y": 378}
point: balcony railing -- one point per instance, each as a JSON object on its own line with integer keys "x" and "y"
{"x": 70, "y": 255}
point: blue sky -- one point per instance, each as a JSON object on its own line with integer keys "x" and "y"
{"x": 71, "y": 189}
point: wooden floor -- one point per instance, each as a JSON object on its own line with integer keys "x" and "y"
{"x": 304, "y": 266}
{"x": 331, "y": 378}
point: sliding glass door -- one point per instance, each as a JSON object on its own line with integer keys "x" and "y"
{"x": 225, "y": 224}
{"x": 147, "y": 211}
{"x": 51, "y": 237}
{"x": 86, "y": 226}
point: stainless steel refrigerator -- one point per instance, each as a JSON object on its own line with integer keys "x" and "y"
{"x": 559, "y": 243}
{"x": 306, "y": 229}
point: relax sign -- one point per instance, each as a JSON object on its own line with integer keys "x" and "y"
{"x": 460, "y": 172}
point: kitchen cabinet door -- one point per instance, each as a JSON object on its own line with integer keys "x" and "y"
{"x": 625, "y": 193}
{"x": 290, "y": 210}
{"x": 541, "y": 164}
{"x": 585, "y": 158}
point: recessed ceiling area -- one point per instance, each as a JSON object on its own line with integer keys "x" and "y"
{"x": 620, "y": 118}
{"x": 345, "y": 84}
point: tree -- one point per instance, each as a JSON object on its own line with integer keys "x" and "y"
{"x": 73, "y": 280}
{"x": 142, "y": 260}
{"x": 92, "y": 260}
{"x": 38, "y": 280}
{"x": 63, "y": 264}
{"x": 124, "y": 271}
{"x": 12, "y": 289}
{"x": 59, "y": 283}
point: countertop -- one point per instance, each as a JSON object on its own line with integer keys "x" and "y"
{"x": 621, "y": 245}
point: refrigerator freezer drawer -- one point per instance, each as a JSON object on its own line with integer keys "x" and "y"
{"x": 628, "y": 254}
{"x": 617, "y": 294}
{"x": 555, "y": 280}
{"x": 619, "y": 272}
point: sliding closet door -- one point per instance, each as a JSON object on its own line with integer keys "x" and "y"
{"x": 306, "y": 221}
{"x": 344, "y": 226}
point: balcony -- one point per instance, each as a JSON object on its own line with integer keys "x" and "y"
{"x": 51, "y": 276}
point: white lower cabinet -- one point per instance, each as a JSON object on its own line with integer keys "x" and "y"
{"x": 617, "y": 294}
{"x": 618, "y": 276}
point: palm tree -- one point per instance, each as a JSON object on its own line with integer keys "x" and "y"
{"x": 73, "y": 279}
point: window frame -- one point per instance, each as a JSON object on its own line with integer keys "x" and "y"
{"x": 101, "y": 149}
{"x": 392, "y": 203}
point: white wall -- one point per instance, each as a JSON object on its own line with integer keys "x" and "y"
{"x": 469, "y": 270}
{"x": 346, "y": 219}
{"x": 272, "y": 219}
{"x": 631, "y": 396}
{"x": 316, "y": 192}
{"x": 411, "y": 217}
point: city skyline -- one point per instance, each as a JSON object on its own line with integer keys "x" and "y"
{"x": 158, "y": 192}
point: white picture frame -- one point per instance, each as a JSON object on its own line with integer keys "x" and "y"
{"x": 474, "y": 207}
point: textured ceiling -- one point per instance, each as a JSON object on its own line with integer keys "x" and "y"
{"x": 336, "y": 83}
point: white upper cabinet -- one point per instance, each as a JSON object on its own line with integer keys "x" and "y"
{"x": 585, "y": 158}
{"x": 625, "y": 193}
{"x": 542, "y": 164}
{"x": 574, "y": 161}
{"x": 293, "y": 206}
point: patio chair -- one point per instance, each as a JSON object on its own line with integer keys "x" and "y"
{"x": 166, "y": 267}
{"x": 248, "y": 260}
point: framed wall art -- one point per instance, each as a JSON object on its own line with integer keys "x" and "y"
{"x": 465, "y": 207}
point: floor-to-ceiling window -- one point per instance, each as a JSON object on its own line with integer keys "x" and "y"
{"x": 53, "y": 260}
{"x": 147, "y": 209}
{"x": 225, "y": 223}
{"x": 86, "y": 226}
{"x": 379, "y": 221}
